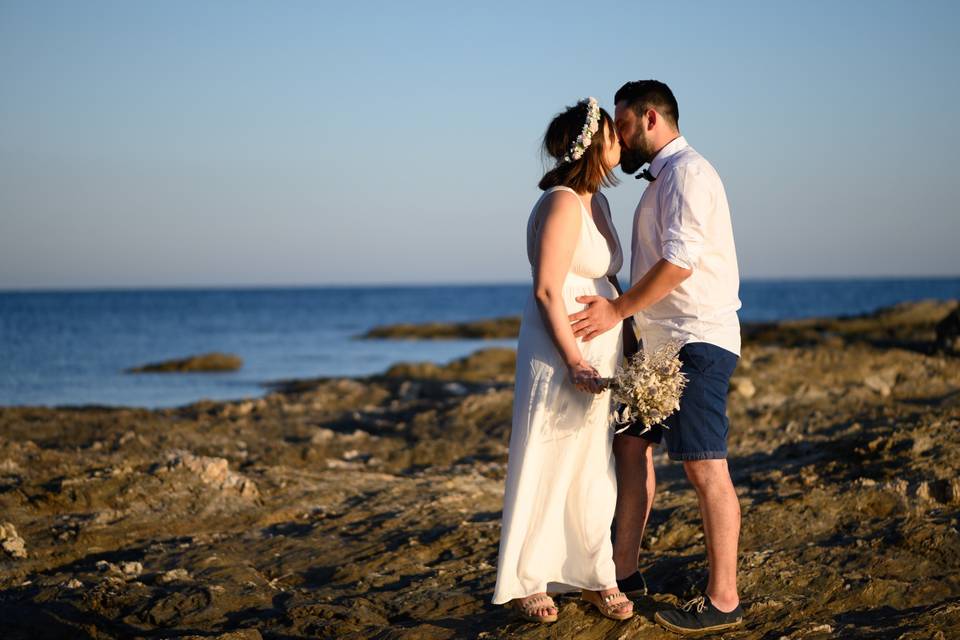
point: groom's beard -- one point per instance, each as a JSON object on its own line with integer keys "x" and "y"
{"x": 631, "y": 160}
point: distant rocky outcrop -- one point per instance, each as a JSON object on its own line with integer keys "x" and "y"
{"x": 214, "y": 361}
{"x": 491, "y": 328}
{"x": 925, "y": 325}
{"x": 909, "y": 325}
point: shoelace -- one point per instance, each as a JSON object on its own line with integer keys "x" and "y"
{"x": 699, "y": 601}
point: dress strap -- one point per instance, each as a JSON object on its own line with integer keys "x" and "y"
{"x": 583, "y": 209}
{"x": 534, "y": 218}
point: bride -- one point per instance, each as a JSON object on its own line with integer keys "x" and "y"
{"x": 561, "y": 485}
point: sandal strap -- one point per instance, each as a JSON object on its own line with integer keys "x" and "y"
{"x": 614, "y": 601}
{"x": 531, "y": 603}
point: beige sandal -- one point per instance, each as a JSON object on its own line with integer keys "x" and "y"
{"x": 529, "y": 606}
{"x": 609, "y": 604}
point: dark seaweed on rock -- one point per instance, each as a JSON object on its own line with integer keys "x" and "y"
{"x": 948, "y": 333}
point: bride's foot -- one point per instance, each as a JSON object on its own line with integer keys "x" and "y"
{"x": 611, "y": 603}
{"x": 538, "y": 607}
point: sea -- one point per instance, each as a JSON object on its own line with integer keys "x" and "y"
{"x": 70, "y": 348}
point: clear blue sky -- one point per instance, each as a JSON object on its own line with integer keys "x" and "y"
{"x": 253, "y": 143}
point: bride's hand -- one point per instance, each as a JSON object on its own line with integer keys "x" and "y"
{"x": 585, "y": 378}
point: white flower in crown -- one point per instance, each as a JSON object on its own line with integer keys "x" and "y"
{"x": 591, "y": 126}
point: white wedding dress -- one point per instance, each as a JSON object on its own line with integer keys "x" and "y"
{"x": 561, "y": 488}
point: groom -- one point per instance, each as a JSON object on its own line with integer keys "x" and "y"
{"x": 684, "y": 287}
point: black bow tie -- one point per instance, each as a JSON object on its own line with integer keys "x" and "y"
{"x": 646, "y": 175}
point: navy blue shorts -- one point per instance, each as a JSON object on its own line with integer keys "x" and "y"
{"x": 698, "y": 431}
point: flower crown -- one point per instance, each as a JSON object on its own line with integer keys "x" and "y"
{"x": 586, "y": 135}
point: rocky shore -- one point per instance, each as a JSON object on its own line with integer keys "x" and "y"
{"x": 369, "y": 508}
{"x": 204, "y": 362}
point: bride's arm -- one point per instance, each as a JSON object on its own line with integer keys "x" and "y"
{"x": 556, "y": 243}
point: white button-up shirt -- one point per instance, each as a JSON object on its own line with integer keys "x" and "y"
{"x": 684, "y": 218}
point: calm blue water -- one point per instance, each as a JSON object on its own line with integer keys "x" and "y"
{"x": 69, "y": 348}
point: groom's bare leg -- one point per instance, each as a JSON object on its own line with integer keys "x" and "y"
{"x": 720, "y": 510}
{"x": 636, "y": 482}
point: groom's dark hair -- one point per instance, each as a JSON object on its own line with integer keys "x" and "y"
{"x": 641, "y": 95}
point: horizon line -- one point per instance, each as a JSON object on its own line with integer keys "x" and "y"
{"x": 420, "y": 285}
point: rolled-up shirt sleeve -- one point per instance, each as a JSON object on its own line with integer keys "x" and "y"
{"x": 685, "y": 199}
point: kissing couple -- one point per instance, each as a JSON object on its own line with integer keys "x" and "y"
{"x": 568, "y": 475}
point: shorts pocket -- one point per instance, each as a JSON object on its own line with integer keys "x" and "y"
{"x": 697, "y": 356}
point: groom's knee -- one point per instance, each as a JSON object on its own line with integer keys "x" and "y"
{"x": 707, "y": 474}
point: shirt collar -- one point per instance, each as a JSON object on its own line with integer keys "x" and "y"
{"x": 670, "y": 149}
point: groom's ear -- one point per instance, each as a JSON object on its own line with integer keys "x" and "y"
{"x": 652, "y": 118}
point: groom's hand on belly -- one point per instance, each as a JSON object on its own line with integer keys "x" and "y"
{"x": 600, "y": 316}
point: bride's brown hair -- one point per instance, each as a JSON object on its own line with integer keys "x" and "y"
{"x": 588, "y": 173}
